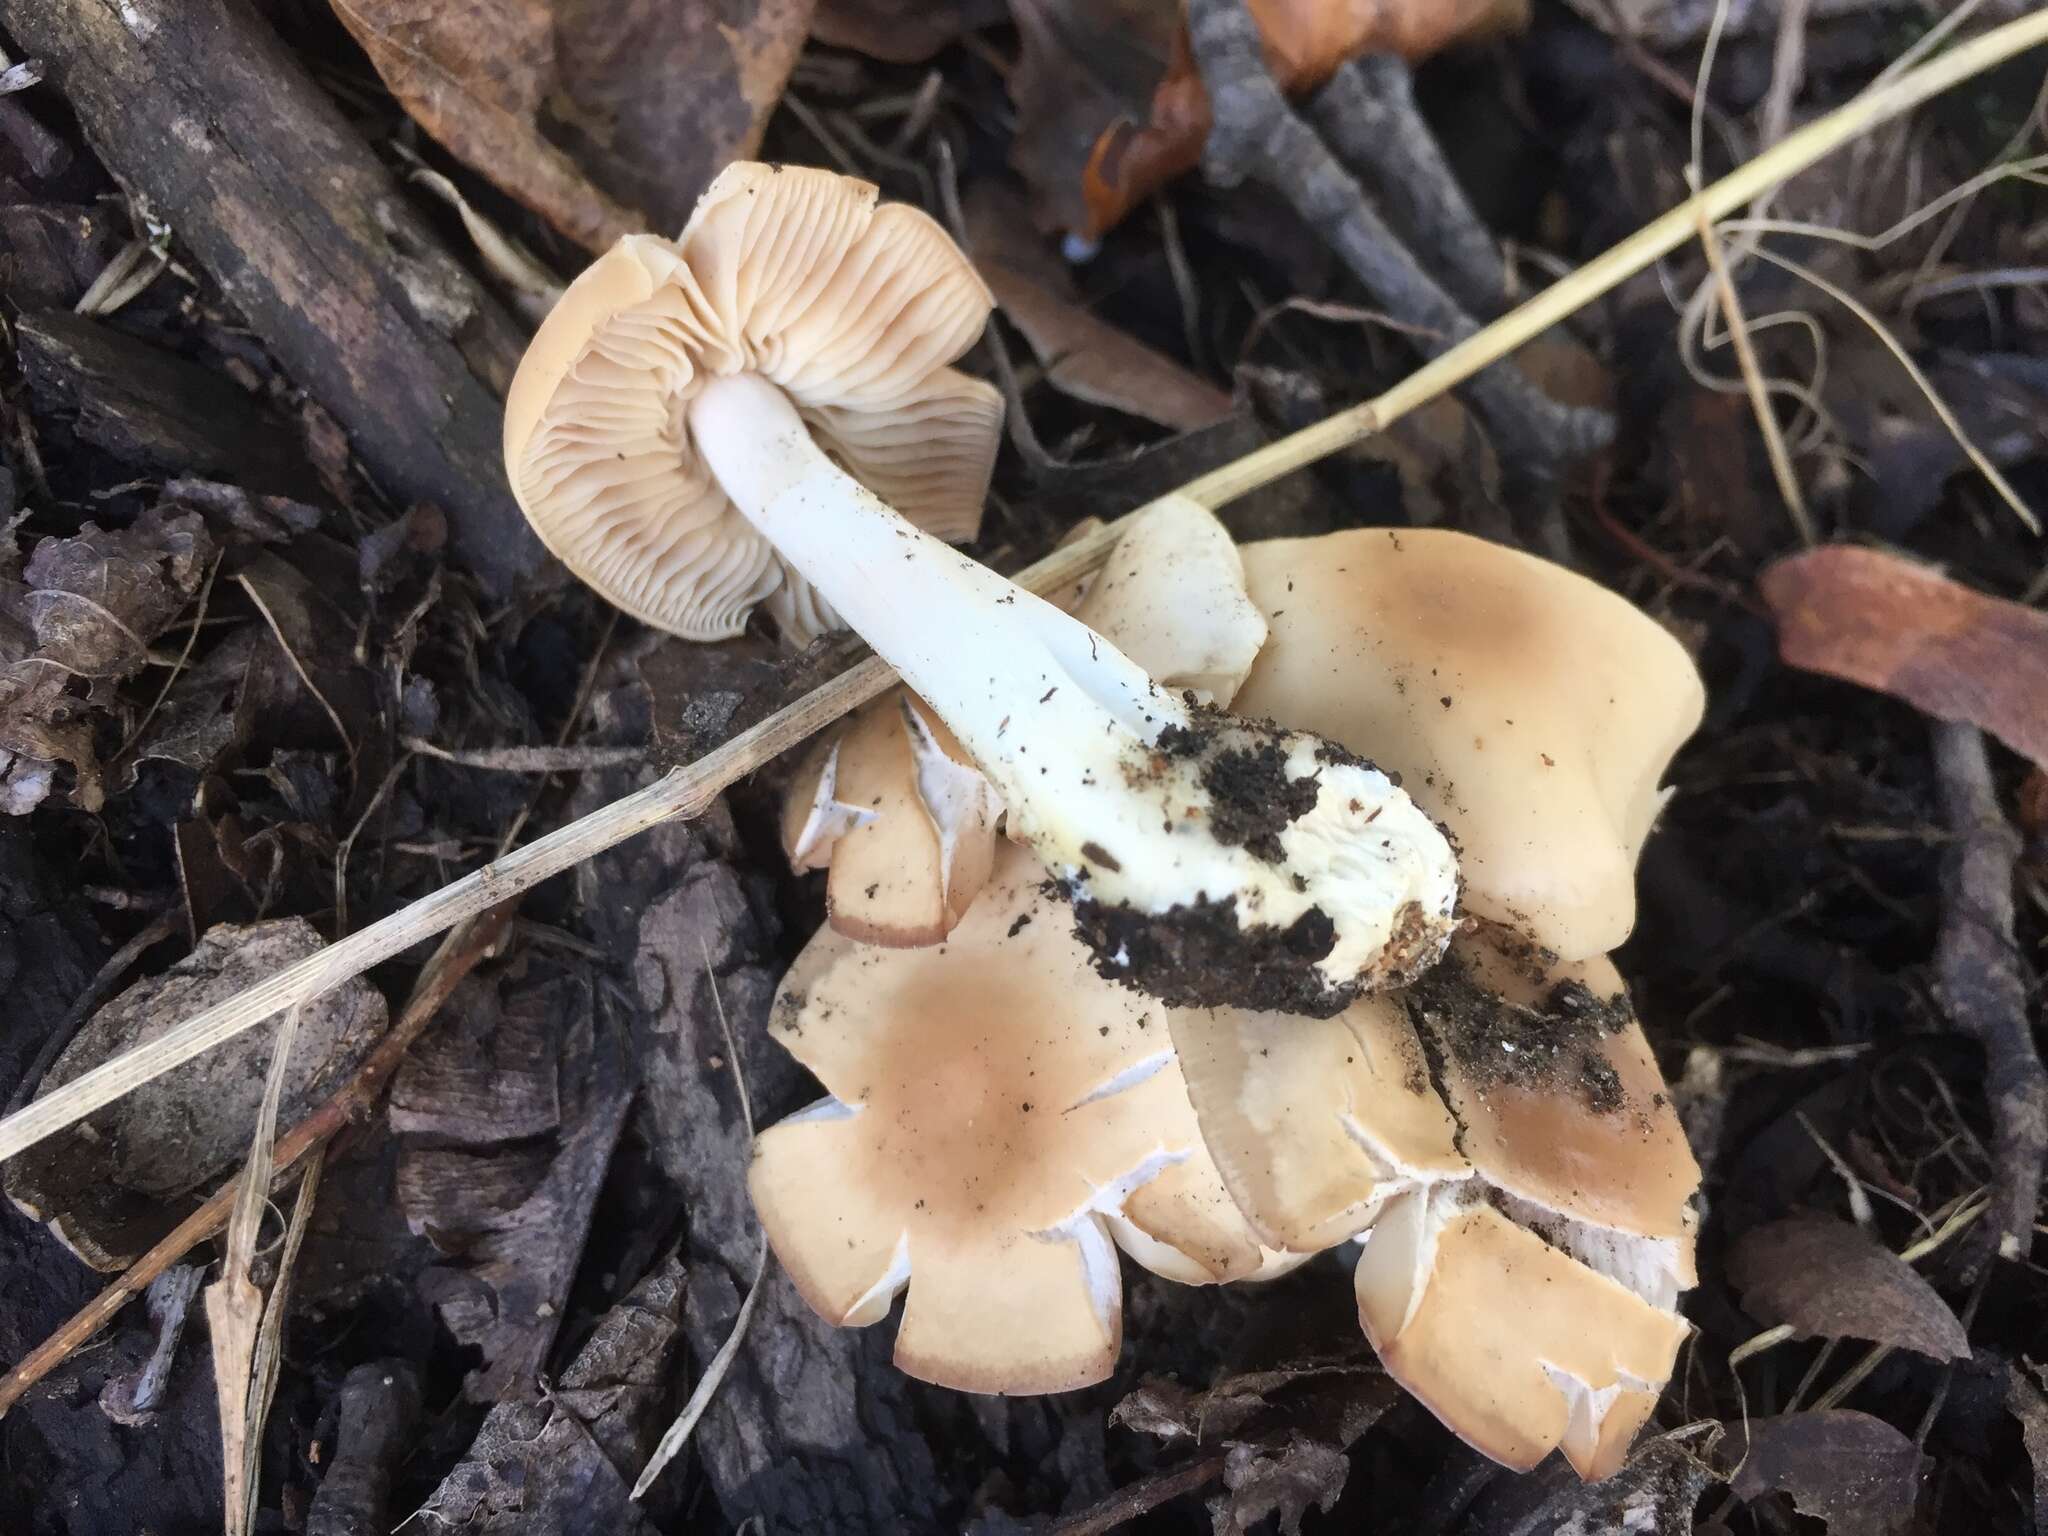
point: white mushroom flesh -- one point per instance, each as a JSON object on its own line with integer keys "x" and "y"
{"x": 1144, "y": 806}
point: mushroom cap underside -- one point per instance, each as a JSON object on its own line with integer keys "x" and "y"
{"x": 851, "y": 308}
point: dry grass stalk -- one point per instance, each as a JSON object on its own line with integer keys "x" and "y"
{"x": 235, "y": 1306}
{"x": 677, "y": 1435}
{"x": 688, "y": 790}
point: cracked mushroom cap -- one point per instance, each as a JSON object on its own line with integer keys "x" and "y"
{"x": 852, "y": 309}
{"x": 903, "y": 820}
{"x": 1528, "y": 1154}
{"x": 1529, "y": 709}
{"x": 895, "y": 808}
{"x": 998, "y": 1120}
{"x": 1509, "y": 1341}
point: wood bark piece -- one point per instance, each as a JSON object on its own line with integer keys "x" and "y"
{"x": 200, "y": 108}
{"x": 380, "y": 1405}
{"x": 151, "y": 409}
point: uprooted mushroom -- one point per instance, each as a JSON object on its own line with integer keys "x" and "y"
{"x": 676, "y": 433}
{"x": 1498, "y": 1131}
{"x": 999, "y": 1121}
{"x": 894, "y": 808}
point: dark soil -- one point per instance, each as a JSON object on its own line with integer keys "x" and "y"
{"x": 1791, "y": 899}
{"x": 1555, "y": 1046}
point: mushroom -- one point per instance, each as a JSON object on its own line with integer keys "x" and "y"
{"x": 999, "y": 1121}
{"x": 1499, "y": 1134}
{"x": 677, "y": 432}
{"x": 900, "y": 816}
{"x": 894, "y": 807}
{"x": 1531, "y": 709}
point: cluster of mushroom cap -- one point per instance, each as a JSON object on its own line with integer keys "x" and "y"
{"x": 1006, "y": 1106}
{"x": 1495, "y": 1133}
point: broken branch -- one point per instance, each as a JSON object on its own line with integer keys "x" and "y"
{"x": 1980, "y": 984}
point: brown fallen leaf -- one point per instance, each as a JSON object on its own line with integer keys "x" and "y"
{"x": 603, "y": 118}
{"x": 1855, "y": 1472}
{"x": 83, "y": 609}
{"x": 1884, "y": 622}
{"x": 1306, "y": 40}
{"x": 901, "y": 31}
{"x": 1082, "y": 65}
{"x": 1084, "y": 356}
{"x": 1829, "y": 1279}
{"x": 96, "y": 600}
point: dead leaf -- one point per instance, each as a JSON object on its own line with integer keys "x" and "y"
{"x": 901, "y": 31}
{"x": 604, "y": 119}
{"x": 207, "y": 712}
{"x": 42, "y": 726}
{"x": 556, "y": 1465}
{"x": 1286, "y": 1482}
{"x": 1855, "y": 1472}
{"x": 1082, "y": 66}
{"x": 1284, "y": 1433}
{"x": 1306, "y": 40}
{"x": 1829, "y": 1279}
{"x": 1083, "y": 355}
{"x": 1654, "y": 1494}
{"x": 1340, "y": 1399}
{"x": 84, "y": 608}
{"x": 95, "y": 601}
{"x": 115, "y": 1183}
{"x": 239, "y": 516}
{"x": 1884, "y": 622}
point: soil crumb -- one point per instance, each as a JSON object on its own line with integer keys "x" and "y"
{"x": 1254, "y": 800}
{"x": 1199, "y": 955}
{"x": 1552, "y": 1047}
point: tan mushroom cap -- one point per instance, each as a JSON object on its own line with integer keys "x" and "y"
{"x": 997, "y": 1113}
{"x": 1315, "y": 1124}
{"x": 1506, "y": 1339}
{"x": 905, "y": 823}
{"x": 1527, "y": 1239}
{"x": 1529, "y": 709}
{"x": 852, "y": 309}
{"x": 1172, "y": 597}
{"x": 894, "y": 806}
{"x": 1627, "y": 1173}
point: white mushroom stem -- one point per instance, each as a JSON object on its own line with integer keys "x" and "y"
{"x": 1138, "y": 802}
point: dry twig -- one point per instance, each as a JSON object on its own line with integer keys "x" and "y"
{"x": 1979, "y": 980}
{"x": 1257, "y": 135}
{"x": 457, "y": 955}
{"x": 235, "y": 1311}
{"x": 1367, "y": 114}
